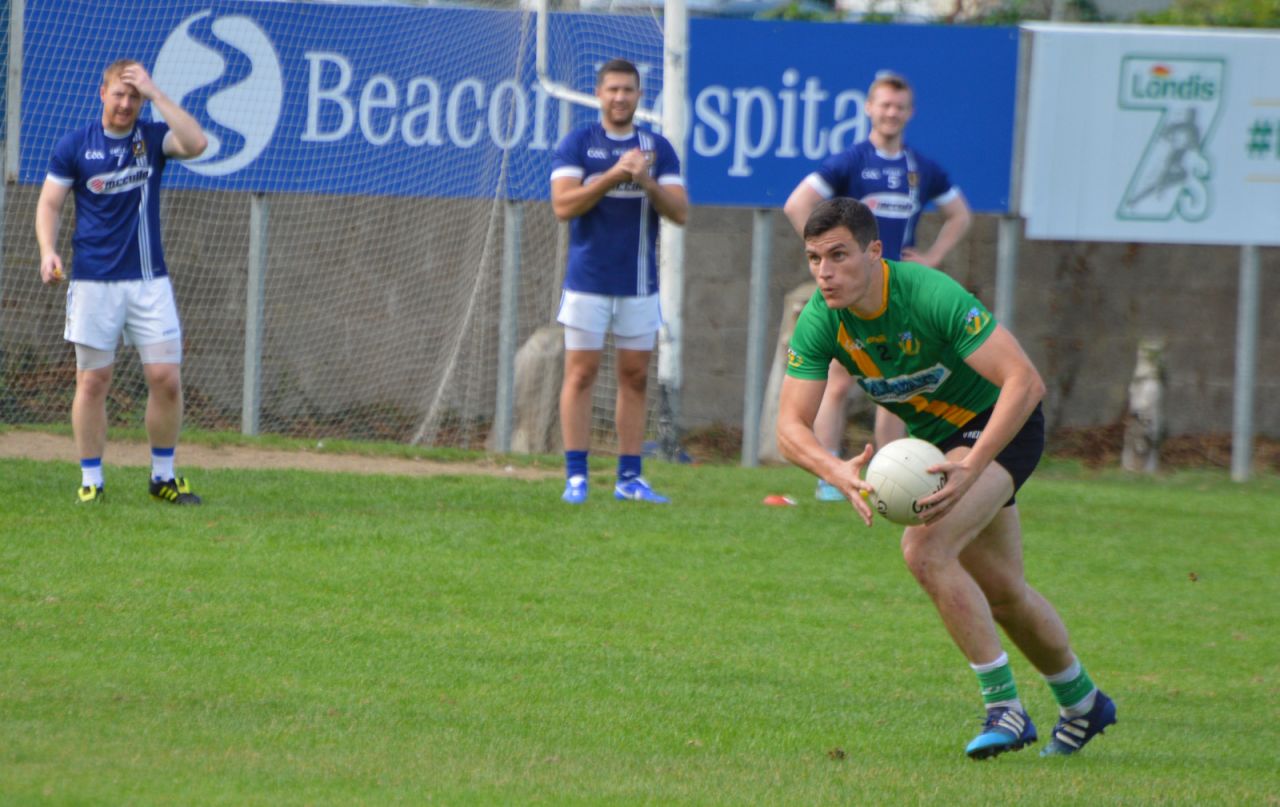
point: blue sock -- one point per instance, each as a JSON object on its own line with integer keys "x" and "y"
{"x": 575, "y": 464}
{"x": 91, "y": 472}
{"x": 628, "y": 467}
{"x": 162, "y": 464}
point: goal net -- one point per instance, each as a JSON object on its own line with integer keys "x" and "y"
{"x": 339, "y": 251}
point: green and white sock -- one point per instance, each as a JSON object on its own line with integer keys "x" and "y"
{"x": 995, "y": 679}
{"x": 1073, "y": 689}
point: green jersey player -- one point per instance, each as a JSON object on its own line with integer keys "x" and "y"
{"x": 923, "y": 347}
{"x": 909, "y": 361}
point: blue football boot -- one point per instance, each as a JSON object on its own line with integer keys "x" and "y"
{"x": 1071, "y": 733}
{"x": 575, "y": 490}
{"x": 1005, "y": 729}
{"x": 637, "y": 490}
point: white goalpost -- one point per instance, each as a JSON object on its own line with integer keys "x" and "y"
{"x": 671, "y": 118}
{"x": 372, "y": 273}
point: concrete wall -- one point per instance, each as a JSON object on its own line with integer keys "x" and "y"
{"x": 372, "y": 302}
{"x": 1080, "y": 310}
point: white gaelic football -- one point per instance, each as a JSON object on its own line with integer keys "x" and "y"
{"x": 897, "y": 472}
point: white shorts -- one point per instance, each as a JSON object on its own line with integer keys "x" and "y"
{"x": 142, "y": 311}
{"x": 634, "y": 321}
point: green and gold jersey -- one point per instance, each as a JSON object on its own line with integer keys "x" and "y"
{"x": 908, "y": 357}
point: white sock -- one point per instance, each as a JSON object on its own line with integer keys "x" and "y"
{"x": 162, "y": 464}
{"x": 1000, "y": 661}
{"x": 1081, "y": 708}
{"x": 91, "y": 475}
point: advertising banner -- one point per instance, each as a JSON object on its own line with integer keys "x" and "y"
{"x": 444, "y": 102}
{"x": 1153, "y": 135}
{"x": 770, "y": 100}
{"x": 308, "y": 98}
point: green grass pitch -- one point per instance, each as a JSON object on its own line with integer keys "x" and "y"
{"x": 311, "y": 638}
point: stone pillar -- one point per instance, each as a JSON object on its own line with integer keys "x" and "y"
{"x": 539, "y": 373}
{"x": 792, "y": 305}
{"x": 1144, "y": 420}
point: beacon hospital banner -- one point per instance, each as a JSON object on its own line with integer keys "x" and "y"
{"x": 444, "y": 102}
{"x": 1154, "y": 135}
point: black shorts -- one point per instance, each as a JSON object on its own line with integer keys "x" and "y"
{"x": 1022, "y": 454}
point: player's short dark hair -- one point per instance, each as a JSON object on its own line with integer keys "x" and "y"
{"x": 617, "y": 66}
{"x": 117, "y": 67}
{"x": 844, "y": 212}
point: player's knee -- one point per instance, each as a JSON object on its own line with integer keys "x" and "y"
{"x": 1006, "y": 600}
{"x": 164, "y": 379}
{"x": 921, "y": 556}
{"x": 1002, "y": 610}
{"x": 579, "y": 379}
{"x": 927, "y": 554}
{"x": 635, "y": 379}
{"x": 167, "y": 389}
{"x": 92, "y": 385}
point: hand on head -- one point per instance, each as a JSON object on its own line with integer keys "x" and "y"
{"x": 136, "y": 76}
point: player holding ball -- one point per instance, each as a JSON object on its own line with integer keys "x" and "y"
{"x": 930, "y": 352}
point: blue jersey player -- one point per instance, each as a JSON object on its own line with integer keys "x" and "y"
{"x": 119, "y": 283}
{"x": 896, "y": 182}
{"x": 611, "y": 181}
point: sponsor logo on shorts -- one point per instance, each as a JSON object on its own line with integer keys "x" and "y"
{"x": 794, "y": 359}
{"x": 972, "y": 434}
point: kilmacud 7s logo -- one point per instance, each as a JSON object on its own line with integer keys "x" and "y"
{"x": 1172, "y": 178}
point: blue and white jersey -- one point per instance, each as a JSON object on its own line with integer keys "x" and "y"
{"x": 613, "y": 247}
{"x": 116, "y": 182}
{"x": 896, "y": 188}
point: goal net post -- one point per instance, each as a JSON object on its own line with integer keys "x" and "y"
{"x": 669, "y": 115}
{"x": 374, "y": 194}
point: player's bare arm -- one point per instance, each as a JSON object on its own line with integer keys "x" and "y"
{"x": 957, "y": 220}
{"x": 1001, "y": 361}
{"x": 670, "y": 201}
{"x": 797, "y": 407}
{"x": 571, "y": 198}
{"x": 48, "y": 221}
{"x": 800, "y": 204}
{"x": 185, "y": 138}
